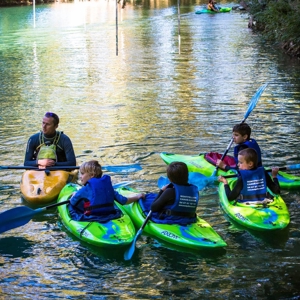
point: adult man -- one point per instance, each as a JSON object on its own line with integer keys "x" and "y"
{"x": 49, "y": 147}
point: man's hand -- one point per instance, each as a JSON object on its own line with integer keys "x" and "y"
{"x": 46, "y": 162}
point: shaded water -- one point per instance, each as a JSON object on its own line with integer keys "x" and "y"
{"x": 158, "y": 94}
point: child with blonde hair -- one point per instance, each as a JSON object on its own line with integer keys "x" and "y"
{"x": 95, "y": 200}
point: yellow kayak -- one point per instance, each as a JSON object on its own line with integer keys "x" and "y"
{"x": 42, "y": 187}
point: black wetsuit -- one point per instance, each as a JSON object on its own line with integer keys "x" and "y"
{"x": 64, "y": 150}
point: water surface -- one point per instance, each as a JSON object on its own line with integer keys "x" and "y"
{"x": 160, "y": 93}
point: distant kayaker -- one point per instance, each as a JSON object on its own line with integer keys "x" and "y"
{"x": 241, "y": 136}
{"x": 176, "y": 202}
{"x": 95, "y": 200}
{"x": 253, "y": 181}
{"x": 49, "y": 147}
{"x": 212, "y": 5}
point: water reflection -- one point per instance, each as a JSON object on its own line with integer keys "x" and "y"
{"x": 129, "y": 108}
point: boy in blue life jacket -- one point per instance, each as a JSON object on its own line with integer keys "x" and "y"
{"x": 176, "y": 202}
{"x": 253, "y": 181}
{"x": 241, "y": 136}
{"x": 95, "y": 200}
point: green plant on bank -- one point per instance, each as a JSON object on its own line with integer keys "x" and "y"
{"x": 279, "y": 21}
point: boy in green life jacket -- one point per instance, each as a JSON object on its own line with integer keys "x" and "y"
{"x": 49, "y": 147}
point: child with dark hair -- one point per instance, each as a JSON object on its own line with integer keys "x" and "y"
{"x": 95, "y": 200}
{"x": 177, "y": 201}
{"x": 241, "y": 136}
{"x": 212, "y": 6}
{"x": 253, "y": 180}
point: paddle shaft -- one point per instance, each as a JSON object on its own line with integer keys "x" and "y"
{"x": 116, "y": 168}
{"x": 251, "y": 106}
{"x": 292, "y": 167}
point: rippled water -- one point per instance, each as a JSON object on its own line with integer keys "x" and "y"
{"x": 160, "y": 93}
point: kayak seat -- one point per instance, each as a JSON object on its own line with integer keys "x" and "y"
{"x": 212, "y": 158}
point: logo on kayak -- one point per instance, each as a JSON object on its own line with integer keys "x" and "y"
{"x": 196, "y": 165}
{"x": 170, "y": 235}
{"x": 241, "y": 217}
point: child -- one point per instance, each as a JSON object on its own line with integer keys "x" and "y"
{"x": 253, "y": 181}
{"x": 177, "y": 201}
{"x": 241, "y": 136}
{"x": 212, "y": 5}
{"x": 95, "y": 200}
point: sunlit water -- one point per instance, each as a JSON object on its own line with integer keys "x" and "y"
{"x": 123, "y": 97}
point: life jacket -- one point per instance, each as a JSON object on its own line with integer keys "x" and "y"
{"x": 46, "y": 149}
{"x": 183, "y": 210}
{"x": 102, "y": 202}
{"x": 254, "y": 185}
{"x": 186, "y": 201}
{"x": 250, "y": 144}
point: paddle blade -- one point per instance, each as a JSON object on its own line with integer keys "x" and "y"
{"x": 130, "y": 251}
{"x": 292, "y": 167}
{"x": 16, "y": 217}
{"x": 254, "y": 100}
{"x": 197, "y": 179}
{"x": 123, "y": 168}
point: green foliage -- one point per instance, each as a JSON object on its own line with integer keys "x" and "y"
{"x": 279, "y": 20}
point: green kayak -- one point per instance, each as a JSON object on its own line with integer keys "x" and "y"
{"x": 199, "y": 235}
{"x": 208, "y": 11}
{"x": 256, "y": 215}
{"x": 117, "y": 232}
{"x": 205, "y": 164}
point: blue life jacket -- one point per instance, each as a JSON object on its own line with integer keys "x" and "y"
{"x": 254, "y": 185}
{"x": 102, "y": 202}
{"x": 183, "y": 210}
{"x": 250, "y": 144}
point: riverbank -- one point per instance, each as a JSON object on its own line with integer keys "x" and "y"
{"x": 278, "y": 22}
{"x": 4, "y": 3}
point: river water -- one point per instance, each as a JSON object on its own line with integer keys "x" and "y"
{"x": 124, "y": 96}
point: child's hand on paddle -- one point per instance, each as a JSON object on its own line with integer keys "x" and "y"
{"x": 222, "y": 179}
{"x": 220, "y": 164}
{"x": 275, "y": 171}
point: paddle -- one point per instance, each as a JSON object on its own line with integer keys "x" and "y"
{"x": 117, "y": 168}
{"x": 202, "y": 181}
{"x": 251, "y": 106}
{"x": 130, "y": 251}
{"x": 21, "y": 215}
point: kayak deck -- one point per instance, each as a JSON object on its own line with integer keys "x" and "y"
{"x": 198, "y": 163}
{"x": 256, "y": 215}
{"x": 43, "y": 187}
{"x": 117, "y": 232}
{"x": 193, "y": 236}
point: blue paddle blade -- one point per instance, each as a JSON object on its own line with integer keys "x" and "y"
{"x": 16, "y": 217}
{"x": 254, "y": 100}
{"x": 197, "y": 179}
{"x": 293, "y": 167}
{"x": 123, "y": 168}
{"x": 130, "y": 251}
{"x": 122, "y": 183}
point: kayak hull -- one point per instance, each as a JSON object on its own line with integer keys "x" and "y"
{"x": 117, "y": 232}
{"x": 199, "y": 235}
{"x": 198, "y": 163}
{"x": 256, "y": 216}
{"x": 207, "y": 11}
{"x": 43, "y": 187}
